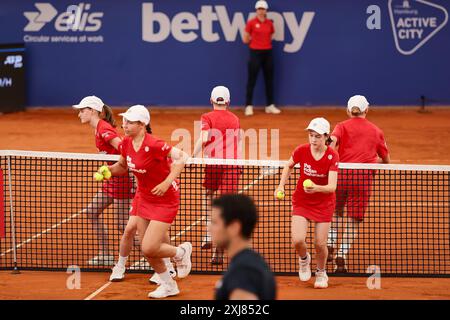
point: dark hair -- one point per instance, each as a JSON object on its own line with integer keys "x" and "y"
{"x": 329, "y": 140}
{"x": 108, "y": 116}
{"x": 238, "y": 207}
{"x": 356, "y": 111}
{"x": 148, "y": 128}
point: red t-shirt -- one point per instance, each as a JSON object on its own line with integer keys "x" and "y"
{"x": 151, "y": 166}
{"x": 224, "y": 131}
{"x": 317, "y": 171}
{"x": 104, "y": 133}
{"x": 260, "y": 33}
{"x": 359, "y": 141}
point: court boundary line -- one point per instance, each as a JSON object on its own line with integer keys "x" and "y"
{"x": 44, "y": 232}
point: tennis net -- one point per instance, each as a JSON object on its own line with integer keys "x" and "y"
{"x": 50, "y": 202}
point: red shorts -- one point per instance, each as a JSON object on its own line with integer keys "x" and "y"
{"x": 316, "y": 215}
{"x": 353, "y": 192}
{"x": 150, "y": 210}
{"x": 223, "y": 178}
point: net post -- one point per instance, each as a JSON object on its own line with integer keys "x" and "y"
{"x": 13, "y": 224}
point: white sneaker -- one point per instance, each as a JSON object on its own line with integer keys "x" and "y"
{"x": 206, "y": 242}
{"x": 155, "y": 278}
{"x": 118, "y": 273}
{"x": 102, "y": 260}
{"x": 248, "y": 110}
{"x": 321, "y": 280}
{"x": 304, "y": 271}
{"x": 272, "y": 109}
{"x": 184, "y": 265}
{"x": 165, "y": 290}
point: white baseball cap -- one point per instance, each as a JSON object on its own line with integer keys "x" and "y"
{"x": 357, "y": 101}
{"x": 92, "y": 102}
{"x": 319, "y": 125}
{"x": 261, "y": 4}
{"x": 220, "y": 95}
{"x": 137, "y": 113}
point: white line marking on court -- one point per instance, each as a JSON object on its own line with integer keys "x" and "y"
{"x": 40, "y": 234}
{"x": 92, "y": 295}
{"x": 196, "y": 222}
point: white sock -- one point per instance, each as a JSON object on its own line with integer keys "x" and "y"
{"x": 167, "y": 262}
{"x": 122, "y": 261}
{"x": 165, "y": 277}
{"x": 332, "y": 237}
{"x": 208, "y": 224}
{"x": 180, "y": 253}
{"x": 347, "y": 241}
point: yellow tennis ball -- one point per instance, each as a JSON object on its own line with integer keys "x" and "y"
{"x": 98, "y": 176}
{"x": 280, "y": 195}
{"x": 307, "y": 183}
{"x": 105, "y": 172}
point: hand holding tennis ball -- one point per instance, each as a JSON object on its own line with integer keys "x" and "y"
{"x": 279, "y": 194}
{"x": 105, "y": 172}
{"x": 308, "y": 186}
{"x": 307, "y": 183}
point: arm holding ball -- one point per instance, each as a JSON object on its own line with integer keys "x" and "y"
{"x": 287, "y": 170}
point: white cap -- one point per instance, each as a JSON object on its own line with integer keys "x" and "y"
{"x": 137, "y": 113}
{"x": 319, "y": 125}
{"x": 357, "y": 101}
{"x": 220, "y": 95}
{"x": 261, "y": 4}
{"x": 92, "y": 102}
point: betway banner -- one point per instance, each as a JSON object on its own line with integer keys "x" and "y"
{"x": 173, "y": 52}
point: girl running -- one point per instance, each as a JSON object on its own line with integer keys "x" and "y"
{"x": 157, "y": 199}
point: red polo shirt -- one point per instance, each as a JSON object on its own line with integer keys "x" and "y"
{"x": 260, "y": 33}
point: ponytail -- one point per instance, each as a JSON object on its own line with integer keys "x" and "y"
{"x": 329, "y": 140}
{"x": 108, "y": 116}
{"x": 148, "y": 129}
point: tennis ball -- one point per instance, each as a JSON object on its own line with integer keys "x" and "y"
{"x": 307, "y": 183}
{"x": 98, "y": 176}
{"x": 105, "y": 172}
{"x": 280, "y": 195}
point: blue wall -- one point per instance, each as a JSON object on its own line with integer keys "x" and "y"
{"x": 339, "y": 57}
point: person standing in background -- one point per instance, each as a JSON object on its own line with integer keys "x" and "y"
{"x": 258, "y": 35}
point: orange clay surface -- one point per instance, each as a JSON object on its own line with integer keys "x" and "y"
{"x": 412, "y": 138}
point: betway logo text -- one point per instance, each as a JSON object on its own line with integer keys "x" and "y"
{"x": 76, "y": 18}
{"x": 188, "y": 27}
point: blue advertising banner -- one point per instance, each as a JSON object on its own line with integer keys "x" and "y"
{"x": 173, "y": 52}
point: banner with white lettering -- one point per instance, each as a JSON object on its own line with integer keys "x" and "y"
{"x": 174, "y": 52}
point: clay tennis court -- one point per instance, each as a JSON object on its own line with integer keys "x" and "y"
{"x": 413, "y": 138}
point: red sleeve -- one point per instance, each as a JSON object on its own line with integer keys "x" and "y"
{"x": 296, "y": 155}
{"x": 337, "y": 132}
{"x": 382, "y": 149}
{"x": 161, "y": 148}
{"x": 248, "y": 27}
{"x": 206, "y": 122}
{"x": 273, "y": 28}
{"x": 123, "y": 147}
{"x": 107, "y": 133}
{"x": 334, "y": 162}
